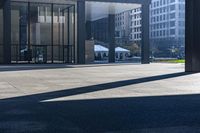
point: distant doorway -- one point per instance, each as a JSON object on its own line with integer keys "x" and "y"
{"x": 40, "y": 54}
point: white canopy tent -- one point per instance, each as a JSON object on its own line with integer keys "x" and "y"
{"x": 99, "y": 48}
{"x": 120, "y": 49}
{"x": 121, "y": 53}
{"x": 101, "y": 52}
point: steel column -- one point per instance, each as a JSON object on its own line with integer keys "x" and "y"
{"x": 7, "y": 32}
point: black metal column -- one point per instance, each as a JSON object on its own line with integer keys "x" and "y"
{"x": 7, "y": 32}
{"x": 145, "y": 48}
{"x": 52, "y": 29}
{"x": 88, "y": 30}
{"x": 111, "y": 34}
{"x": 192, "y": 47}
{"x": 81, "y": 32}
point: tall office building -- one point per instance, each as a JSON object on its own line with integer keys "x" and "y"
{"x": 122, "y": 27}
{"x": 135, "y": 26}
{"x": 167, "y": 24}
{"x": 128, "y": 26}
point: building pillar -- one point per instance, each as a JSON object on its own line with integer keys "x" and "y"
{"x": 81, "y": 32}
{"x": 88, "y": 30}
{"x": 192, "y": 36}
{"x": 111, "y": 36}
{"x": 7, "y": 32}
{"x": 145, "y": 48}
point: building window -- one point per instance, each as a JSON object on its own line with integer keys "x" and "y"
{"x": 172, "y": 31}
{"x": 34, "y": 26}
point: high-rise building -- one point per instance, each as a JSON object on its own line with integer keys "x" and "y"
{"x": 122, "y": 27}
{"x": 167, "y": 23}
{"x": 135, "y": 26}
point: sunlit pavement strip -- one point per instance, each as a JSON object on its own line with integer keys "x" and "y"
{"x": 30, "y": 82}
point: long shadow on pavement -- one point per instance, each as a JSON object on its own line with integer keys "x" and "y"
{"x": 29, "y": 114}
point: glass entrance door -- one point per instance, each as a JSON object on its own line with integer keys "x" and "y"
{"x": 40, "y": 53}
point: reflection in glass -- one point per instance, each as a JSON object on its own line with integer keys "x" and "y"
{"x": 19, "y": 32}
{"x": 63, "y": 25}
{"x": 110, "y": 28}
{"x": 40, "y": 32}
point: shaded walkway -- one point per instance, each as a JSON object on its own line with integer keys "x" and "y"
{"x": 103, "y": 115}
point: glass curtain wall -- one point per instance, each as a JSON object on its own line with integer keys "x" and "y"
{"x": 19, "y": 32}
{"x": 113, "y": 32}
{"x": 63, "y": 36}
{"x": 43, "y": 33}
{"x": 1, "y": 35}
{"x": 40, "y": 32}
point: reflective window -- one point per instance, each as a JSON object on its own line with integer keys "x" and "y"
{"x": 113, "y": 32}
{"x": 63, "y": 27}
{"x": 19, "y": 32}
{"x": 42, "y": 33}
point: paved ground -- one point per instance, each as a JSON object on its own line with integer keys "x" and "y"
{"x": 113, "y": 98}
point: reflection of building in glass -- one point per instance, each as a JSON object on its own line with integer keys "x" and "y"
{"x": 98, "y": 29}
{"x": 128, "y": 30}
{"x": 128, "y": 27}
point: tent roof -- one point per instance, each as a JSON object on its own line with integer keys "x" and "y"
{"x": 99, "y": 48}
{"x": 119, "y": 49}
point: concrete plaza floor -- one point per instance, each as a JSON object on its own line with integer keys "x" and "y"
{"x": 110, "y": 98}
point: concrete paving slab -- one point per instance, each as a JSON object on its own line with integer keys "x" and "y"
{"x": 110, "y": 98}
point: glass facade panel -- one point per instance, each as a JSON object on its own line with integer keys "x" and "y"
{"x": 42, "y": 33}
{"x": 63, "y": 24}
{"x": 19, "y": 32}
{"x": 71, "y": 43}
{"x": 1, "y": 35}
{"x": 113, "y": 32}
